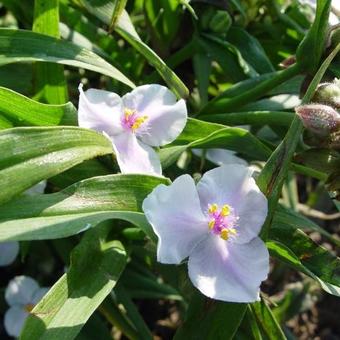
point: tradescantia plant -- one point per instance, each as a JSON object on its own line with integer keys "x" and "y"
{"x": 188, "y": 188}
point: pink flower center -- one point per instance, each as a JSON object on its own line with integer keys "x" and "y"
{"x": 222, "y": 221}
{"x": 131, "y": 120}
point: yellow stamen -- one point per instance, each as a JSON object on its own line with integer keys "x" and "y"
{"x": 224, "y": 234}
{"x": 138, "y": 122}
{"x": 211, "y": 224}
{"x": 232, "y": 231}
{"x": 225, "y": 210}
{"x": 128, "y": 112}
{"x": 213, "y": 208}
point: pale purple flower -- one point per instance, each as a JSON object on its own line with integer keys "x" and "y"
{"x": 8, "y": 252}
{"x": 220, "y": 156}
{"x": 216, "y": 224}
{"x": 148, "y": 116}
{"x": 22, "y": 294}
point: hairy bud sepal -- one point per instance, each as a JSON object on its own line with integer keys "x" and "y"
{"x": 329, "y": 94}
{"x": 319, "y": 119}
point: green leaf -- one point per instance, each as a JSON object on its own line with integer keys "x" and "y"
{"x": 30, "y": 155}
{"x": 141, "y": 286}
{"x": 78, "y": 207}
{"x": 273, "y": 174}
{"x": 294, "y": 247}
{"x": 102, "y": 9}
{"x": 95, "y": 269}
{"x": 290, "y": 217}
{"x": 315, "y": 41}
{"x": 202, "y": 69}
{"x": 249, "y": 329}
{"x": 248, "y": 90}
{"x": 228, "y": 57}
{"x": 5, "y": 123}
{"x": 49, "y": 78}
{"x": 199, "y": 134}
{"x": 125, "y": 29}
{"x": 119, "y": 6}
{"x": 23, "y": 46}
{"x": 254, "y": 118}
{"x": 111, "y": 310}
{"x": 211, "y": 320}
{"x": 123, "y": 297}
{"x": 21, "y": 109}
{"x": 251, "y": 49}
{"x": 267, "y": 321}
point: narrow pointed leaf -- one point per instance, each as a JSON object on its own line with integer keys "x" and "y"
{"x": 21, "y": 109}
{"x": 209, "y": 319}
{"x": 29, "y": 155}
{"x": 23, "y": 46}
{"x": 49, "y": 78}
{"x": 78, "y": 207}
{"x": 267, "y": 322}
{"x": 95, "y": 269}
{"x": 125, "y": 28}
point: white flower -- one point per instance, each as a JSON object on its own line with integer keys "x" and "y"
{"x": 220, "y": 156}
{"x": 146, "y": 117}
{"x": 8, "y": 252}
{"x": 216, "y": 224}
{"x": 22, "y": 294}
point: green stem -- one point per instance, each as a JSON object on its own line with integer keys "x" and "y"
{"x": 114, "y": 316}
{"x": 218, "y": 105}
{"x": 275, "y": 171}
{"x": 272, "y": 176}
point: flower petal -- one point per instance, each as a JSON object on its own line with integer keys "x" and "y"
{"x": 8, "y": 252}
{"x": 175, "y": 214}
{"x": 252, "y": 210}
{"x": 220, "y": 156}
{"x": 100, "y": 110}
{"x": 223, "y": 185}
{"x": 14, "y": 320}
{"x": 39, "y": 294}
{"x": 134, "y": 156}
{"x": 227, "y": 271}
{"x": 166, "y": 116}
{"x": 232, "y": 184}
{"x": 20, "y": 290}
{"x": 39, "y": 188}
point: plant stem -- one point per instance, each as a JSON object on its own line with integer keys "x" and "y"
{"x": 275, "y": 171}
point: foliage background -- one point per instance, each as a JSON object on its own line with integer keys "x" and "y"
{"x": 223, "y": 57}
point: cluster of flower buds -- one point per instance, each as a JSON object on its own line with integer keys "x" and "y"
{"x": 323, "y": 118}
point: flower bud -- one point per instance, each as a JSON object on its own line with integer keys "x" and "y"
{"x": 334, "y": 140}
{"x": 328, "y": 93}
{"x": 320, "y": 119}
{"x": 220, "y": 22}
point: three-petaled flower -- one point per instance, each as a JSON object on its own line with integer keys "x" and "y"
{"x": 22, "y": 294}
{"x": 216, "y": 225}
{"x": 148, "y": 116}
